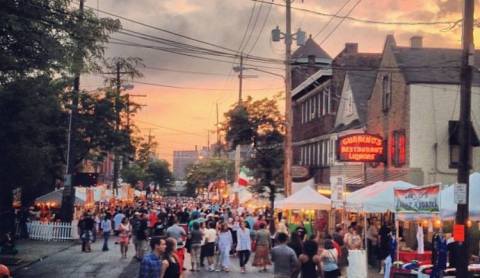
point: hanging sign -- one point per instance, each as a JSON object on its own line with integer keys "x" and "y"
{"x": 460, "y": 193}
{"x": 418, "y": 200}
{"x": 360, "y": 148}
{"x": 337, "y": 184}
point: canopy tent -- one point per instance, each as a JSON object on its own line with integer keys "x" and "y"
{"x": 305, "y": 198}
{"x": 297, "y": 186}
{"x": 376, "y": 198}
{"x": 448, "y": 208}
{"x": 55, "y": 198}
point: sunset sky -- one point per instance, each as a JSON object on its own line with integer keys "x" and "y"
{"x": 180, "y": 118}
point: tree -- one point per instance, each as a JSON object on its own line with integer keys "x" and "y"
{"x": 133, "y": 174}
{"x": 261, "y": 124}
{"x": 201, "y": 174}
{"x": 40, "y": 51}
{"x": 158, "y": 173}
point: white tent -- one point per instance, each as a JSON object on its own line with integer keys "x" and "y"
{"x": 297, "y": 186}
{"x": 448, "y": 208}
{"x": 376, "y": 198}
{"x": 305, "y": 198}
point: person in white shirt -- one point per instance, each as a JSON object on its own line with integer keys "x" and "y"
{"x": 210, "y": 239}
{"x": 106, "y": 226}
{"x": 244, "y": 245}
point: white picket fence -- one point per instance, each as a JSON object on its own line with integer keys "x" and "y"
{"x": 56, "y": 231}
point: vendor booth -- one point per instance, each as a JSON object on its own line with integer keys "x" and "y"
{"x": 376, "y": 198}
{"x": 303, "y": 205}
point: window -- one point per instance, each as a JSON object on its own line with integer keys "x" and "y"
{"x": 399, "y": 148}
{"x": 386, "y": 93}
{"x": 325, "y": 152}
{"x": 312, "y": 108}
{"x": 331, "y": 152}
{"x": 349, "y": 105}
{"x": 301, "y": 156}
{"x": 326, "y": 102}
{"x": 319, "y": 153}
{"x": 302, "y": 108}
{"x": 319, "y": 103}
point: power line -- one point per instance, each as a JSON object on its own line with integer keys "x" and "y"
{"x": 366, "y": 21}
{"x": 170, "y": 128}
{"x": 332, "y": 18}
{"x": 196, "y": 88}
{"x": 252, "y": 12}
{"x": 186, "y": 71}
{"x": 340, "y": 22}
{"x": 261, "y": 30}
{"x": 252, "y": 30}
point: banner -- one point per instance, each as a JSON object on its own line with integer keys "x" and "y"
{"x": 418, "y": 200}
{"x": 337, "y": 184}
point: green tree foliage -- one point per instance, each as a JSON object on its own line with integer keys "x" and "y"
{"x": 158, "y": 173}
{"x": 201, "y": 174}
{"x": 260, "y": 123}
{"x": 133, "y": 174}
{"x": 42, "y": 45}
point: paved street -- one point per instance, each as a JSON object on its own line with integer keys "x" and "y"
{"x": 73, "y": 263}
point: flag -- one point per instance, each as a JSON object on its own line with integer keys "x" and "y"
{"x": 243, "y": 177}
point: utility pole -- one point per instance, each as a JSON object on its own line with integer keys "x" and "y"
{"x": 299, "y": 36}
{"x": 116, "y": 159}
{"x": 68, "y": 196}
{"x": 287, "y": 168}
{"x": 465, "y": 128}
{"x": 240, "y": 77}
{"x": 218, "y": 134}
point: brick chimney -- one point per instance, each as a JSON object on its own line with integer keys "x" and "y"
{"x": 351, "y": 48}
{"x": 416, "y": 42}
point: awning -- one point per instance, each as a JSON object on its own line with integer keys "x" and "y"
{"x": 305, "y": 198}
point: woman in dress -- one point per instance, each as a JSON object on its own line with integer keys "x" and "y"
{"x": 124, "y": 236}
{"x": 225, "y": 242}
{"x": 170, "y": 264}
{"x": 310, "y": 261}
{"x": 262, "y": 251}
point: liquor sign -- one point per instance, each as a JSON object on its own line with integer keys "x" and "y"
{"x": 337, "y": 184}
{"x": 360, "y": 148}
{"x": 418, "y": 200}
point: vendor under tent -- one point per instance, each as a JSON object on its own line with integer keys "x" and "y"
{"x": 376, "y": 198}
{"x": 54, "y": 199}
{"x": 448, "y": 208}
{"x": 305, "y": 198}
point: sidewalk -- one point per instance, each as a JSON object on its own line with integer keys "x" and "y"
{"x": 31, "y": 251}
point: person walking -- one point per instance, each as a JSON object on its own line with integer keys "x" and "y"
{"x": 106, "y": 226}
{"x": 244, "y": 245}
{"x": 310, "y": 261}
{"x": 125, "y": 232}
{"x": 285, "y": 261}
{"x": 262, "y": 248}
{"x": 195, "y": 237}
{"x": 329, "y": 258}
{"x": 141, "y": 236}
{"x": 170, "y": 265}
{"x": 151, "y": 265}
{"x": 210, "y": 239}
{"x": 87, "y": 232}
{"x": 225, "y": 242}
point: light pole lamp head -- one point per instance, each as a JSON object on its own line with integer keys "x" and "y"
{"x": 300, "y": 37}
{"x": 276, "y": 34}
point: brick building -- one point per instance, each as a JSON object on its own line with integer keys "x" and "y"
{"x": 414, "y": 106}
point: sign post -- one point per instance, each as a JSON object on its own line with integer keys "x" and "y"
{"x": 460, "y": 193}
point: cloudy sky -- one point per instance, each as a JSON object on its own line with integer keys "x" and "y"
{"x": 180, "y": 118}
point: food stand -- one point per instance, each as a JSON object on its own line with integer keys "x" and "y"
{"x": 305, "y": 201}
{"x": 376, "y": 198}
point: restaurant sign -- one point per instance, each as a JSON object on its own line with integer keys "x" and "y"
{"x": 418, "y": 200}
{"x": 360, "y": 147}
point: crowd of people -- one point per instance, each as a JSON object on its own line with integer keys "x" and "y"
{"x": 213, "y": 233}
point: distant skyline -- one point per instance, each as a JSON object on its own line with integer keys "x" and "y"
{"x": 179, "y": 119}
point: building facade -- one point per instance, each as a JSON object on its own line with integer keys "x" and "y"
{"x": 181, "y": 161}
{"x": 414, "y": 106}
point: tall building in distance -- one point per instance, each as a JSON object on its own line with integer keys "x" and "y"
{"x": 181, "y": 160}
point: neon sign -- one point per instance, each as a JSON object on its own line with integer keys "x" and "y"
{"x": 360, "y": 148}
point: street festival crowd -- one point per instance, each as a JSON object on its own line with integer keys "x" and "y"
{"x": 212, "y": 233}
{"x": 162, "y": 232}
